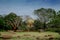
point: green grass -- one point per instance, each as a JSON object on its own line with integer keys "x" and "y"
{"x": 29, "y": 35}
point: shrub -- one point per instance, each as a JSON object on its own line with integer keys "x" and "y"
{"x": 53, "y": 29}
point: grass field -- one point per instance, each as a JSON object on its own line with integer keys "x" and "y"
{"x": 29, "y": 35}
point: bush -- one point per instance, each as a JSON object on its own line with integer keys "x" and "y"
{"x": 22, "y": 28}
{"x": 53, "y": 29}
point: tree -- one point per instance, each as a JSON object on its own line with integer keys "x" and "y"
{"x": 54, "y": 25}
{"x": 37, "y": 25}
{"x": 56, "y": 19}
{"x": 13, "y": 20}
{"x": 2, "y": 23}
{"x": 44, "y": 15}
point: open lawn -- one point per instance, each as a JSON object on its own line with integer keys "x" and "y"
{"x": 28, "y": 35}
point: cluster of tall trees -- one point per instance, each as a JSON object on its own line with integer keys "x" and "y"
{"x": 47, "y": 19}
{"x": 10, "y": 21}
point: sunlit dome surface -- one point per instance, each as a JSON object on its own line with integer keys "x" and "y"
{"x": 30, "y": 21}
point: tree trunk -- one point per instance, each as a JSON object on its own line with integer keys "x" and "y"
{"x": 15, "y": 28}
{"x": 44, "y": 26}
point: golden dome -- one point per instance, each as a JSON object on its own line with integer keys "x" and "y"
{"x": 30, "y": 21}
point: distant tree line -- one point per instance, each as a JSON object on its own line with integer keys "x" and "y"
{"x": 47, "y": 19}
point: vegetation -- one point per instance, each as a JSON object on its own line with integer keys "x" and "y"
{"x": 44, "y": 15}
{"x": 30, "y": 35}
{"x": 47, "y": 20}
{"x": 13, "y": 20}
{"x": 45, "y": 27}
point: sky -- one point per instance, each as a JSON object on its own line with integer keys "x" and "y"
{"x": 26, "y": 7}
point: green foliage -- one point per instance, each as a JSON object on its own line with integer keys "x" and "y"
{"x": 47, "y": 19}
{"x": 54, "y": 24}
{"x": 54, "y": 30}
{"x": 10, "y": 21}
{"x": 2, "y": 23}
{"x": 10, "y": 16}
{"x": 13, "y": 20}
{"x": 44, "y": 15}
{"x": 23, "y": 27}
{"x": 38, "y": 25}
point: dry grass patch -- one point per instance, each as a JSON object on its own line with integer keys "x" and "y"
{"x": 6, "y": 36}
{"x": 32, "y": 35}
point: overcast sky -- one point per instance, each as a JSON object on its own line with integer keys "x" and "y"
{"x": 26, "y": 7}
